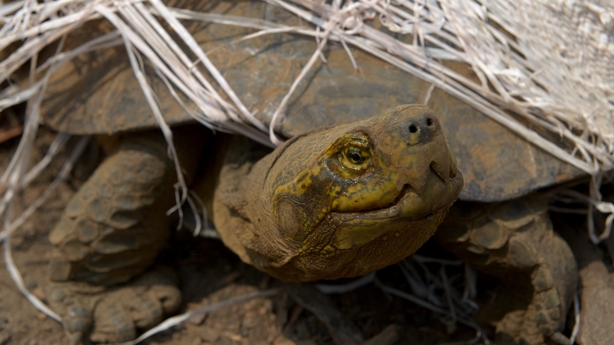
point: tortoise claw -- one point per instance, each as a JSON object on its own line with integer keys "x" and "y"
{"x": 542, "y": 319}
{"x": 114, "y": 314}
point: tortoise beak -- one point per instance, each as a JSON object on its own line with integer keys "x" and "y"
{"x": 445, "y": 167}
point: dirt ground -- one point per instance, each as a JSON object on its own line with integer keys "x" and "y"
{"x": 208, "y": 273}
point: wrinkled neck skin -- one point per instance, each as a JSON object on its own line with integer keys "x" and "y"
{"x": 342, "y": 201}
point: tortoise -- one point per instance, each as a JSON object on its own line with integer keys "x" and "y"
{"x": 349, "y": 192}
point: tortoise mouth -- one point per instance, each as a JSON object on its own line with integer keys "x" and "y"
{"x": 439, "y": 193}
{"x": 388, "y": 211}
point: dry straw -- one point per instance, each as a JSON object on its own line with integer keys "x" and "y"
{"x": 547, "y": 62}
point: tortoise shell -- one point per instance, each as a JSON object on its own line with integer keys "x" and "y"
{"x": 98, "y": 93}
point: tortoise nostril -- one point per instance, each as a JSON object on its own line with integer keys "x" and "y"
{"x": 429, "y": 122}
{"x": 413, "y": 128}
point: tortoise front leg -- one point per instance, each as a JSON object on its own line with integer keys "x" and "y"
{"x": 111, "y": 231}
{"x": 516, "y": 242}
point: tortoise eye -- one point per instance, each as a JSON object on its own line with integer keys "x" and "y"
{"x": 351, "y": 155}
{"x": 355, "y": 155}
{"x": 355, "y": 159}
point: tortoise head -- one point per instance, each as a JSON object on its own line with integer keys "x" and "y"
{"x": 351, "y": 199}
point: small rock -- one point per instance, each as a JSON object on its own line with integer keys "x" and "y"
{"x": 209, "y": 334}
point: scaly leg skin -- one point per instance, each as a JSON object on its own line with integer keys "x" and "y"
{"x": 112, "y": 230}
{"x": 516, "y": 242}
